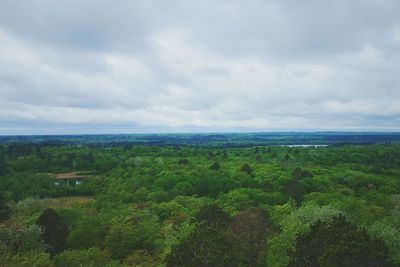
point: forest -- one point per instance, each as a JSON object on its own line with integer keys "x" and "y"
{"x": 209, "y": 139}
{"x": 131, "y": 204}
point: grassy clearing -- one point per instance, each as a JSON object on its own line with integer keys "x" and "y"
{"x": 68, "y": 202}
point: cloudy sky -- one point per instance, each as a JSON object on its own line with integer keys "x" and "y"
{"x": 127, "y": 66}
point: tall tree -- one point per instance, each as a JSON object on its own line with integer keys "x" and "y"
{"x": 55, "y": 232}
{"x": 339, "y": 243}
{"x": 3, "y": 166}
{"x": 293, "y": 189}
{"x": 250, "y": 228}
{"x": 213, "y": 215}
{"x": 286, "y": 158}
{"x": 206, "y": 246}
{"x": 5, "y": 211}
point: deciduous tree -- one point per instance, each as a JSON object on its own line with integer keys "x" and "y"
{"x": 339, "y": 243}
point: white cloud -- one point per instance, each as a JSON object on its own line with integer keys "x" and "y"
{"x": 226, "y": 65}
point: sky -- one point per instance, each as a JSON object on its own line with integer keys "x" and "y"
{"x": 126, "y": 66}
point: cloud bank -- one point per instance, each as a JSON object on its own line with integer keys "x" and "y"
{"x": 192, "y": 66}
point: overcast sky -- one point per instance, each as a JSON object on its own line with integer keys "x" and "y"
{"x": 93, "y": 66}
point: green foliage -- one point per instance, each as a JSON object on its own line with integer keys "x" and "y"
{"x": 89, "y": 232}
{"x": 5, "y": 211}
{"x": 243, "y": 198}
{"x": 91, "y": 257}
{"x": 55, "y": 232}
{"x": 295, "y": 223}
{"x": 71, "y": 216}
{"x": 213, "y": 215}
{"x": 29, "y": 206}
{"x": 293, "y": 190}
{"x": 389, "y": 234}
{"x": 158, "y": 196}
{"x": 3, "y": 165}
{"x": 174, "y": 234}
{"x": 145, "y": 204}
{"x": 204, "y": 247}
{"x": 215, "y": 166}
{"x": 250, "y": 228}
{"x": 121, "y": 240}
{"x": 246, "y": 168}
{"x": 142, "y": 258}
{"x": 128, "y": 234}
{"x": 26, "y": 259}
{"x": 183, "y": 161}
{"x": 21, "y": 239}
{"x": 300, "y": 174}
{"x": 338, "y": 243}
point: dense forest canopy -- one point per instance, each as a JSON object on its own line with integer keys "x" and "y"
{"x": 129, "y": 204}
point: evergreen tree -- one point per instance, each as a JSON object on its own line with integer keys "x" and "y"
{"x": 3, "y": 166}
{"x": 5, "y": 211}
{"x": 55, "y": 232}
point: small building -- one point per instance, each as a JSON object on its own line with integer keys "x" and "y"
{"x": 73, "y": 178}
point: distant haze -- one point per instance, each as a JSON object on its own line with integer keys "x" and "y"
{"x": 128, "y": 66}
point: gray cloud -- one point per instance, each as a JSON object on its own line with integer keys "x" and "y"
{"x": 137, "y": 66}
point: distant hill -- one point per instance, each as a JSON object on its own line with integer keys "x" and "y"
{"x": 212, "y": 139}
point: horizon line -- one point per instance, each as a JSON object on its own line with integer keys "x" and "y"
{"x": 209, "y": 132}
